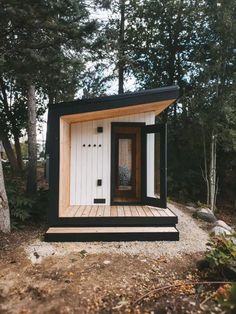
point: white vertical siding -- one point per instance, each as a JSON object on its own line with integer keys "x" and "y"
{"x": 88, "y": 164}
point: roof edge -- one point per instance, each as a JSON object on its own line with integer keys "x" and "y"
{"x": 164, "y": 93}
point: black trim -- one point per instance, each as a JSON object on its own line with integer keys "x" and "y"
{"x": 170, "y": 221}
{"x": 54, "y": 149}
{"x": 162, "y": 130}
{"x": 118, "y": 101}
{"x": 108, "y": 237}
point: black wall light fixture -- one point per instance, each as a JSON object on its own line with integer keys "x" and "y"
{"x": 99, "y": 129}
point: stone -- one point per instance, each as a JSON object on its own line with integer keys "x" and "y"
{"x": 192, "y": 209}
{"x": 221, "y": 223}
{"x": 190, "y": 204}
{"x": 205, "y": 214}
{"x": 217, "y": 230}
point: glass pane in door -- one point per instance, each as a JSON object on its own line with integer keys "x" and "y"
{"x": 125, "y": 164}
{"x": 153, "y": 165}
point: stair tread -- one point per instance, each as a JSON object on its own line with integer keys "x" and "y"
{"x": 111, "y": 230}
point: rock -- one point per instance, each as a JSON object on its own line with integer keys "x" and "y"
{"x": 192, "y": 209}
{"x": 107, "y": 262}
{"x": 217, "y": 230}
{"x": 36, "y": 255}
{"x": 205, "y": 214}
{"x": 190, "y": 204}
{"x": 221, "y": 223}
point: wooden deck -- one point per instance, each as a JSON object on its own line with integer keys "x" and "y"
{"x": 115, "y": 223}
{"x": 117, "y": 211}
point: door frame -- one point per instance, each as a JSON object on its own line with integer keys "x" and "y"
{"x": 113, "y": 150}
{"x": 145, "y": 129}
{"x": 162, "y": 130}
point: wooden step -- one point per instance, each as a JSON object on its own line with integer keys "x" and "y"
{"x": 114, "y": 216}
{"x": 81, "y": 234}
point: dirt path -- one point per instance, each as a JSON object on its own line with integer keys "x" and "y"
{"x": 97, "y": 278}
{"x": 88, "y": 283}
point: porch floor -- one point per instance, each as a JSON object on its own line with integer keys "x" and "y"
{"x": 116, "y": 211}
{"x": 115, "y": 223}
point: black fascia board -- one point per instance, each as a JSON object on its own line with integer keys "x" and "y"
{"x": 115, "y": 101}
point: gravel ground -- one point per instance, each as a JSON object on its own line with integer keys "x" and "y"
{"x": 193, "y": 239}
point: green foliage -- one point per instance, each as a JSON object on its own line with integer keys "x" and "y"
{"x": 191, "y": 43}
{"x": 221, "y": 255}
{"x": 227, "y": 298}
{"x": 25, "y": 209}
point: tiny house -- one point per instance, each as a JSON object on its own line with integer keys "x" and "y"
{"x": 107, "y": 168}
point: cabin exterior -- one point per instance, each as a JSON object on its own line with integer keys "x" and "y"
{"x": 107, "y": 169}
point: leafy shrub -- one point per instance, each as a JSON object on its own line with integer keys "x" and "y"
{"x": 23, "y": 208}
{"x": 226, "y": 296}
{"x": 221, "y": 255}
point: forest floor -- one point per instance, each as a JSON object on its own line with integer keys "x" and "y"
{"x": 94, "y": 280}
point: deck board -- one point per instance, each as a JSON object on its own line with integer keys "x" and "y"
{"x": 147, "y": 211}
{"x": 113, "y": 211}
{"x": 155, "y": 211}
{"x": 100, "y": 211}
{"x": 110, "y": 229}
{"x": 120, "y": 211}
{"x": 128, "y": 211}
{"x": 79, "y": 211}
{"x": 93, "y": 212}
{"x": 140, "y": 211}
{"x": 86, "y": 211}
{"x": 117, "y": 211}
{"x": 107, "y": 211}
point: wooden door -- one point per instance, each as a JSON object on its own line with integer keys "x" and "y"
{"x": 126, "y": 163}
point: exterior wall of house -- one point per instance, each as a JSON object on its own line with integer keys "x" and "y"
{"x": 91, "y": 158}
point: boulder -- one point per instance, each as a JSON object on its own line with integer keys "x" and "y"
{"x": 217, "y": 230}
{"x": 205, "y": 214}
{"x": 221, "y": 223}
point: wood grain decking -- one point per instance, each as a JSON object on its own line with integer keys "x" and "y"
{"x": 116, "y": 211}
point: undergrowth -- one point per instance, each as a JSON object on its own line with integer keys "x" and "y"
{"x": 221, "y": 261}
{"x": 24, "y": 209}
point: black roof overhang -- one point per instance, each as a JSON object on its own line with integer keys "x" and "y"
{"x": 115, "y": 101}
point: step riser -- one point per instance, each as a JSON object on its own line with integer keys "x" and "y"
{"x": 117, "y": 221}
{"x": 108, "y": 237}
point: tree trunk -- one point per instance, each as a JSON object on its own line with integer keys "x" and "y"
{"x": 18, "y": 151}
{"x": 4, "y": 207}
{"x": 9, "y": 152}
{"x": 212, "y": 173}
{"x": 32, "y": 142}
{"x": 205, "y": 175}
{"x": 121, "y": 47}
